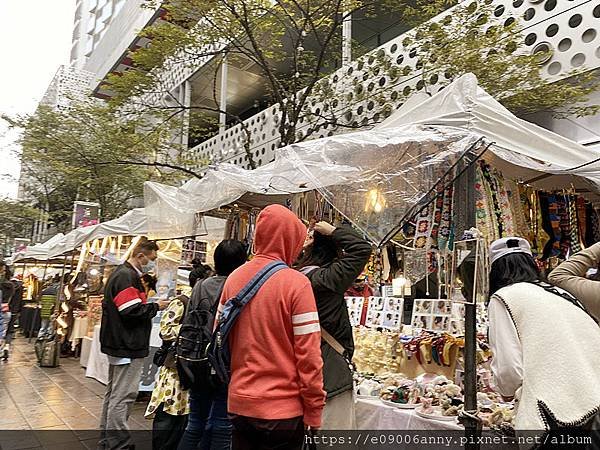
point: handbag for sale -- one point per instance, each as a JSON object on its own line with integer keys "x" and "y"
{"x": 47, "y": 351}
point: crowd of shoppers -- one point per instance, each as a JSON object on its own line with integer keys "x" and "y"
{"x": 291, "y": 346}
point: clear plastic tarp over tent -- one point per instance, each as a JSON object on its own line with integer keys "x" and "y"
{"x": 377, "y": 177}
{"x": 132, "y": 223}
{"x": 371, "y": 177}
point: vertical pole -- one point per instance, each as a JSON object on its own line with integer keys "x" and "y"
{"x": 223, "y": 98}
{"x": 187, "y": 102}
{"x": 472, "y": 425}
{"x": 347, "y": 39}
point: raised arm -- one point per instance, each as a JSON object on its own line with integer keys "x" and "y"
{"x": 339, "y": 275}
{"x": 570, "y": 276}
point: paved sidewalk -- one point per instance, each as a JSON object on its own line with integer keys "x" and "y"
{"x": 62, "y": 398}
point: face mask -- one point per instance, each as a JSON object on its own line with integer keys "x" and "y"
{"x": 148, "y": 267}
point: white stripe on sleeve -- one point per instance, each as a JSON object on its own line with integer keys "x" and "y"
{"x": 129, "y": 303}
{"x": 307, "y": 329}
{"x": 305, "y": 317}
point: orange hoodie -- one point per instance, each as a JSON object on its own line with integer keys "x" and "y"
{"x": 276, "y": 365}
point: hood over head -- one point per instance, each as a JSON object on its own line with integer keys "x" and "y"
{"x": 279, "y": 234}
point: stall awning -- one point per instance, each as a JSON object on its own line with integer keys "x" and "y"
{"x": 391, "y": 167}
{"x": 465, "y": 105}
{"x": 132, "y": 223}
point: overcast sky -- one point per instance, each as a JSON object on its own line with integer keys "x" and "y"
{"x": 35, "y": 39}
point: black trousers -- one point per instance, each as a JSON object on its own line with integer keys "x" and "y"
{"x": 260, "y": 434}
{"x": 167, "y": 430}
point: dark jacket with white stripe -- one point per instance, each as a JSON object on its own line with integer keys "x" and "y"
{"x": 126, "y": 317}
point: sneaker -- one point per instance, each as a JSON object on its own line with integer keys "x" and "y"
{"x": 5, "y": 354}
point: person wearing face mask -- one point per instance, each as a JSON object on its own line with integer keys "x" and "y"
{"x": 125, "y": 339}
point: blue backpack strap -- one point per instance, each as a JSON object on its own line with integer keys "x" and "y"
{"x": 218, "y": 353}
{"x": 249, "y": 291}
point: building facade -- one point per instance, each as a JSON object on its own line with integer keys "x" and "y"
{"x": 570, "y": 30}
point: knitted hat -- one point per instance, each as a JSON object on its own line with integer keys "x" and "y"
{"x": 507, "y": 246}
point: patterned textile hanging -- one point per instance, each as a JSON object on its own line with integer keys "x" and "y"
{"x": 484, "y": 216}
{"x": 521, "y": 226}
{"x": 541, "y": 232}
{"x": 551, "y": 223}
{"x": 446, "y": 223}
{"x": 562, "y": 201}
{"x": 581, "y": 220}
{"x": 573, "y": 225}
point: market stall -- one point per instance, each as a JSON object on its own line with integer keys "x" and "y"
{"x": 88, "y": 255}
{"x": 430, "y": 188}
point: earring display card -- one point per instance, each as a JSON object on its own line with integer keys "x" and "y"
{"x": 421, "y": 321}
{"x": 355, "y": 308}
{"x": 385, "y": 312}
{"x": 433, "y": 314}
{"x": 193, "y": 249}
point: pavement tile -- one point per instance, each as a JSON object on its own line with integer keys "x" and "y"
{"x": 53, "y": 398}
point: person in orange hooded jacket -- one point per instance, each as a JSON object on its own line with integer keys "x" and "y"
{"x": 276, "y": 387}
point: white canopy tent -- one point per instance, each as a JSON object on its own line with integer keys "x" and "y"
{"x": 463, "y": 104}
{"x": 403, "y": 157}
{"x": 132, "y": 223}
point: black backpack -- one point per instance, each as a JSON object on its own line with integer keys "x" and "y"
{"x": 190, "y": 348}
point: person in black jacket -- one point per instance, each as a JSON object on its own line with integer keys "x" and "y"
{"x": 125, "y": 339}
{"x": 333, "y": 258}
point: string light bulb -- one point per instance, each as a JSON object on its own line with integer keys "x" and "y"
{"x": 375, "y": 201}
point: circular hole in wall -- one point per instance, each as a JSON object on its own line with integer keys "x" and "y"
{"x": 589, "y": 35}
{"x": 400, "y": 59}
{"x": 394, "y": 48}
{"x": 508, "y": 22}
{"x": 382, "y": 81}
{"x": 499, "y": 10}
{"x": 517, "y": 3}
{"x": 529, "y": 14}
{"x": 564, "y": 44}
{"x": 597, "y": 12}
{"x": 550, "y": 5}
{"x": 575, "y": 20}
{"x": 530, "y": 39}
{"x": 552, "y": 30}
{"x": 394, "y": 95}
{"x": 420, "y": 85}
{"x": 598, "y": 52}
{"x": 542, "y": 52}
{"x": 413, "y": 53}
{"x": 406, "y": 91}
{"x": 578, "y": 60}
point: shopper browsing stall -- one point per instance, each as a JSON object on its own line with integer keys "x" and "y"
{"x": 48, "y": 302}
{"x": 124, "y": 337}
{"x": 333, "y": 258}
{"x": 169, "y": 404}
{"x": 540, "y": 337}
{"x": 208, "y": 421}
{"x": 276, "y": 386}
